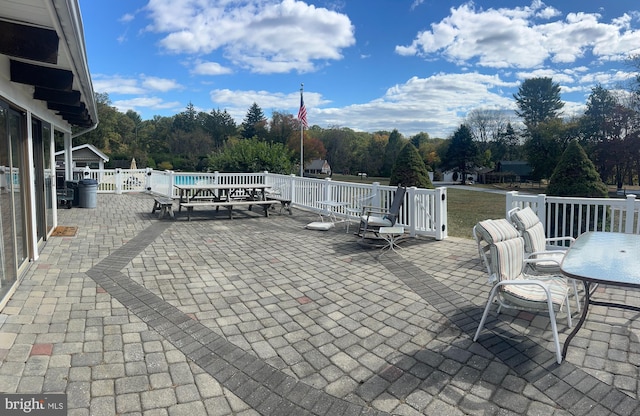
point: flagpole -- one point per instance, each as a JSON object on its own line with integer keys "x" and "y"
{"x": 301, "y": 138}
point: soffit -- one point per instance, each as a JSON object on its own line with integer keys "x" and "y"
{"x": 44, "y": 42}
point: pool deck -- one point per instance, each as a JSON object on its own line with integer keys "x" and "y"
{"x": 140, "y": 316}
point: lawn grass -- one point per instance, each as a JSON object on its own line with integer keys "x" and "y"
{"x": 357, "y": 179}
{"x": 466, "y": 208}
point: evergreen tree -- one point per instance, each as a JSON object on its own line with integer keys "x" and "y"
{"x": 187, "y": 120}
{"x": 544, "y": 147}
{"x": 538, "y": 100}
{"x": 394, "y": 145}
{"x": 597, "y": 121}
{"x": 606, "y": 131}
{"x": 220, "y": 126}
{"x": 462, "y": 152}
{"x": 575, "y": 175}
{"x": 506, "y": 146}
{"x": 254, "y": 123}
{"x": 409, "y": 169}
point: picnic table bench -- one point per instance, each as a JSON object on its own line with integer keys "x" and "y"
{"x": 164, "y": 204}
{"x": 266, "y": 204}
{"x": 223, "y": 195}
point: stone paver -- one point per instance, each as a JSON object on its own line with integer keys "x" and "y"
{"x": 259, "y": 316}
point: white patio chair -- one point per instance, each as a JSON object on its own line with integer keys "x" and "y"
{"x": 538, "y": 246}
{"x": 502, "y": 250}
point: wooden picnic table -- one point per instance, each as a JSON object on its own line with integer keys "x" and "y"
{"x": 223, "y": 195}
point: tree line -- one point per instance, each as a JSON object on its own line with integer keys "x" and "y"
{"x": 608, "y": 130}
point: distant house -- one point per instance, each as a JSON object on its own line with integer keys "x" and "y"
{"x": 318, "y": 167}
{"x": 520, "y": 169}
{"x": 452, "y": 176}
{"x": 83, "y": 156}
{"x": 481, "y": 174}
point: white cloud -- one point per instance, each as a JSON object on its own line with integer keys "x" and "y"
{"x": 557, "y": 76}
{"x": 523, "y": 37}
{"x": 610, "y": 78}
{"x": 269, "y": 36}
{"x": 436, "y": 104}
{"x": 116, "y": 84}
{"x": 160, "y": 84}
{"x": 267, "y": 99}
{"x": 416, "y": 3}
{"x": 237, "y": 102}
{"x": 265, "y": 36}
{"x": 126, "y": 18}
{"x": 153, "y": 103}
{"x": 244, "y": 99}
{"x": 418, "y": 105}
{"x": 495, "y": 38}
{"x": 210, "y": 68}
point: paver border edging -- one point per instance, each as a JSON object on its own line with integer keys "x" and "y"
{"x": 570, "y": 387}
{"x": 263, "y": 387}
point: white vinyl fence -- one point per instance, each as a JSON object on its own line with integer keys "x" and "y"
{"x": 424, "y": 211}
{"x": 573, "y": 216}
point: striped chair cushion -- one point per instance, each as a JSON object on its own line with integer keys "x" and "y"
{"x": 528, "y": 223}
{"x": 531, "y": 296}
{"x": 534, "y": 238}
{"x": 508, "y": 257}
{"x": 493, "y": 231}
{"x": 551, "y": 266}
{"x": 525, "y": 218}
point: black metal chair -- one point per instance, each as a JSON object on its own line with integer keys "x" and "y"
{"x": 65, "y": 196}
{"x": 373, "y": 218}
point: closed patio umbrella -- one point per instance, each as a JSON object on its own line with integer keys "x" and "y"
{"x": 133, "y": 164}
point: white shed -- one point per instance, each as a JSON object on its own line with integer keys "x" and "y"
{"x": 83, "y": 156}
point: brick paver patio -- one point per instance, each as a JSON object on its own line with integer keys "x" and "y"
{"x": 255, "y": 315}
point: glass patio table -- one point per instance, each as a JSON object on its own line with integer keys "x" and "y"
{"x": 606, "y": 258}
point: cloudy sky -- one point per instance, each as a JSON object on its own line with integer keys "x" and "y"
{"x": 411, "y": 65}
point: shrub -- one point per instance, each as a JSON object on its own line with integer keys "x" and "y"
{"x": 409, "y": 169}
{"x": 576, "y": 175}
{"x": 165, "y": 165}
{"x": 251, "y": 155}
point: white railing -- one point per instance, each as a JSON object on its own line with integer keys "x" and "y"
{"x": 116, "y": 180}
{"x": 574, "y": 216}
{"x": 424, "y": 211}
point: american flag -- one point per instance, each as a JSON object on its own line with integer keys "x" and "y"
{"x": 302, "y": 113}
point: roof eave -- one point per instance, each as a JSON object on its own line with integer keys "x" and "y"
{"x": 69, "y": 26}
